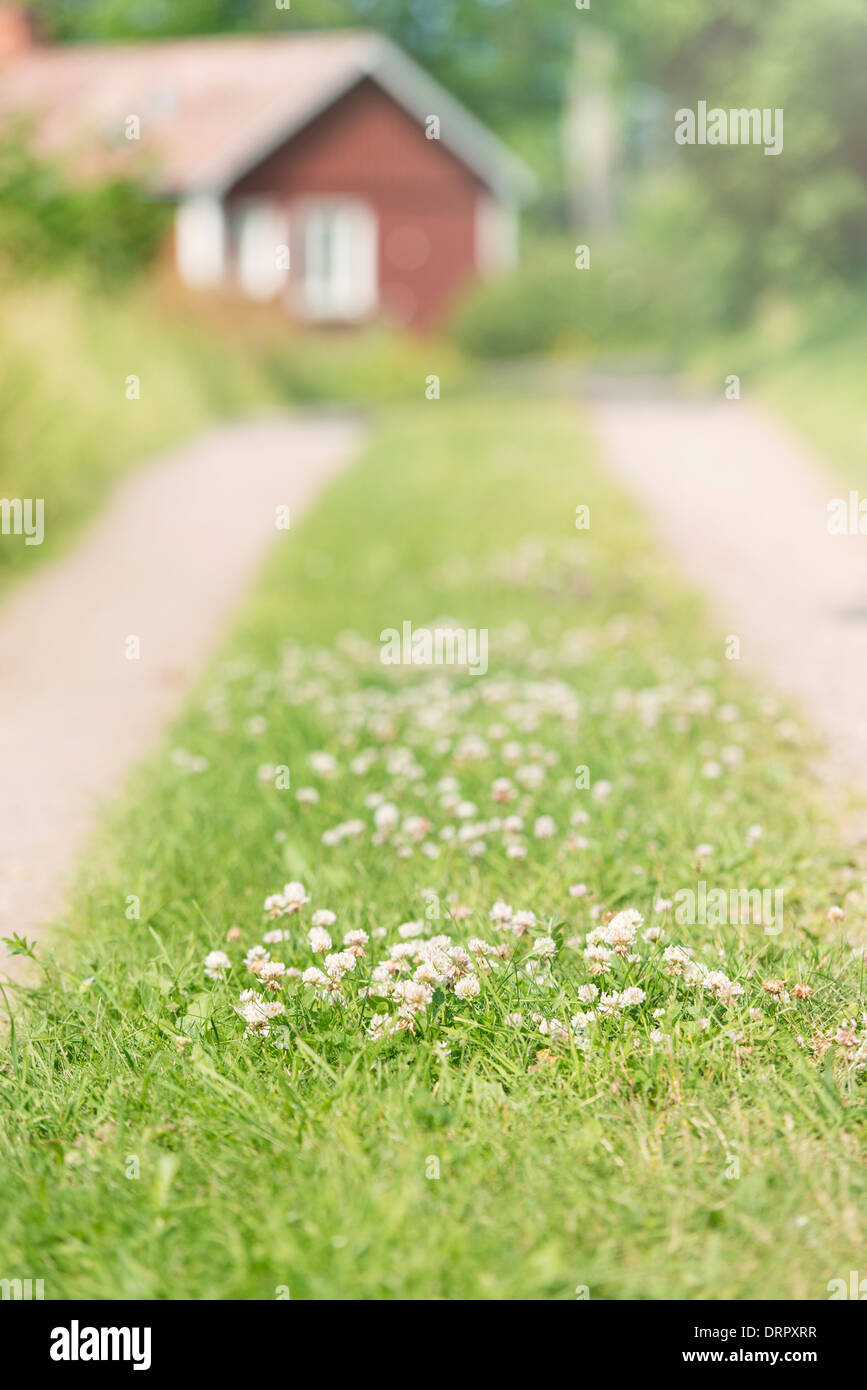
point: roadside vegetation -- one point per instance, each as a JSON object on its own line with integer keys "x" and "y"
{"x": 104, "y": 363}
{"x": 466, "y": 1048}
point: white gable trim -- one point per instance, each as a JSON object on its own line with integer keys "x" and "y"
{"x": 420, "y": 96}
{"x": 462, "y": 133}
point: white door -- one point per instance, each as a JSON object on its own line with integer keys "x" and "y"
{"x": 339, "y": 246}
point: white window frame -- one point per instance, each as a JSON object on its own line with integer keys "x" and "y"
{"x": 200, "y": 236}
{"x": 496, "y": 236}
{"x": 260, "y": 226}
{"x": 347, "y": 289}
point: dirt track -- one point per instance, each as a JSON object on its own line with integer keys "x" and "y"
{"x": 743, "y": 510}
{"x": 177, "y": 547}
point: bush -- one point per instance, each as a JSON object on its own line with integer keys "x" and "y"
{"x": 531, "y": 312}
{"x": 667, "y": 280}
{"x": 110, "y": 230}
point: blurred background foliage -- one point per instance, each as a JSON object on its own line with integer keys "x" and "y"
{"x": 701, "y": 240}
{"x": 106, "y": 231}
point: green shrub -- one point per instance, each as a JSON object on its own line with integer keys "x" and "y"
{"x": 531, "y": 312}
{"x": 671, "y": 276}
{"x": 109, "y": 230}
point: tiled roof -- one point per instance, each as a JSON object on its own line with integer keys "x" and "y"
{"x": 211, "y": 108}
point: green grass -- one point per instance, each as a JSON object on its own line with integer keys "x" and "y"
{"x": 67, "y": 428}
{"x": 806, "y": 364}
{"x": 69, "y": 431}
{"x": 151, "y": 1150}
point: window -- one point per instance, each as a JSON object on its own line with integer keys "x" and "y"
{"x": 261, "y": 231}
{"x": 199, "y": 241}
{"x": 496, "y": 236}
{"x": 339, "y": 249}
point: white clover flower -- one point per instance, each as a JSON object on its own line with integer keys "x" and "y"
{"x": 415, "y": 995}
{"x": 577, "y": 890}
{"x": 555, "y": 1030}
{"x": 477, "y": 947}
{"x": 545, "y": 947}
{"x": 467, "y": 987}
{"x": 409, "y": 930}
{"x": 272, "y": 970}
{"x": 216, "y": 965}
{"x": 295, "y": 896}
{"x": 545, "y": 827}
{"x": 307, "y": 796}
{"x": 500, "y": 912}
{"x": 715, "y": 980}
{"x": 598, "y": 959}
{"x": 255, "y": 958}
{"x": 386, "y": 817}
{"x": 356, "y": 941}
{"x": 320, "y": 941}
{"x": 338, "y": 964}
{"x": 325, "y": 764}
{"x": 523, "y": 922}
{"x": 676, "y": 959}
{"x": 620, "y": 932}
{"x": 630, "y": 996}
{"x": 416, "y": 827}
{"x": 253, "y": 1013}
{"x": 587, "y": 993}
{"x": 323, "y": 918}
{"x": 721, "y": 987}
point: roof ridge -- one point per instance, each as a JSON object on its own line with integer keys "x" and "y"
{"x": 189, "y": 40}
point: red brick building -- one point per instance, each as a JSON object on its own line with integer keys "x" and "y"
{"x": 323, "y": 170}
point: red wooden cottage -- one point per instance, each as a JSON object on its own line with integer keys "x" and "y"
{"x": 326, "y": 170}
